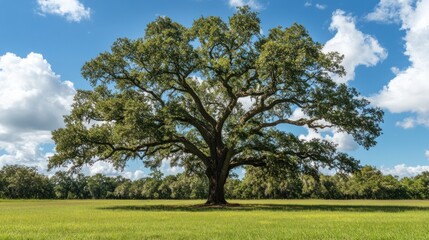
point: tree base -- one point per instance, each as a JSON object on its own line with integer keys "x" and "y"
{"x": 216, "y": 203}
{"x": 226, "y": 205}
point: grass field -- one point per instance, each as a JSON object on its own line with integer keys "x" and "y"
{"x": 256, "y": 219}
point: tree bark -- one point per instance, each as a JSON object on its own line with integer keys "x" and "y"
{"x": 216, "y": 188}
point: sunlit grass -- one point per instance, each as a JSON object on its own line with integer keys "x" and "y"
{"x": 252, "y": 219}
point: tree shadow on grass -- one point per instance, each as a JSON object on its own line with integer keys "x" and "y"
{"x": 268, "y": 207}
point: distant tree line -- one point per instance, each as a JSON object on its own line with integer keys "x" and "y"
{"x": 367, "y": 183}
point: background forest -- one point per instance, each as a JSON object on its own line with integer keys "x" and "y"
{"x": 368, "y": 183}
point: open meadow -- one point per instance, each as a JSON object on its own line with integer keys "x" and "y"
{"x": 185, "y": 219}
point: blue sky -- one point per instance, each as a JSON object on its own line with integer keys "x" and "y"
{"x": 44, "y": 43}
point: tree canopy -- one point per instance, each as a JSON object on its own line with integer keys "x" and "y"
{"x": 183, "y": 94}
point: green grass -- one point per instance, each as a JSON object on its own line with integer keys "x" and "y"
{"x": 253, "y": 219}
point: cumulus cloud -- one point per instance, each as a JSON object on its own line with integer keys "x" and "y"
{"x": 407, "y": 123}
{"x": 251, "y": 3}
{"x": 72, "y": 10}
{"x": 408, "y": 90}
{"x": 100, "y": 167}
{"x": 343, "y": 140}
{"x": 358, "y": 48}
{"x": 167, "y": 169}
{"x": 395, "y": 70}
{"x": 108, "y": 169}
{"x": 317, "y": 5}
{"x": 403, "y": 170}
{"x": 33, "y": 100}
{"x": 320, "y": 6}
{"x": 411, "y": 122}
{"x": 390, "y": 11}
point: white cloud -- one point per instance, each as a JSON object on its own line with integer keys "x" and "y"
{"x": 198, "y": 79}
{"x": 390, "y": 11}
{"x": 406, "y": 123}
{"x": 320, "y": 6}
{"x": 395, "y": 70}
{"x": 298, "y": 114}
{"x": 25, "y": 150}
{"x": 107, "y": 169}
{"x": 408, "y": 90}
{"x": 100, "y": 167}
{"x": 167, "y": 169}
{"x": 251, "y": 3}
{"x": 358, "y": 48}
{"x": 72, "y": 10}
{"x": 247, "y": 102}
{"x": 33, "y": 100}
{"x": 138, "y": 174}
{"x": 343, "y": 140}
{"x": 317, "y": 5}
{"x": 403, "y": 170}
{"x": 410, "y": 122}
{"x": 427, "y": 154}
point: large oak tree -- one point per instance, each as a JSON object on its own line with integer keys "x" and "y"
{"x": 183, "y": 94}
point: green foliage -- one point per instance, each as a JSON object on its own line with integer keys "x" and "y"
{"x": 419, "y": 186}
{"x": 370, "y": 183}
{"x": 24, "y": 182}
{"x": 67, "y": 186}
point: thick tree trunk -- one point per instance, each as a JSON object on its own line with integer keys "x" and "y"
{"x": 216, "y": 188}
{"x": 217, "y": 175}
